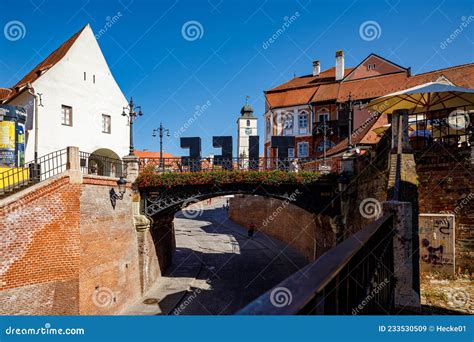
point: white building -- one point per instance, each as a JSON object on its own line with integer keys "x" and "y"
{"x": 246, "y": 126}
{"x": 75, "y": 101}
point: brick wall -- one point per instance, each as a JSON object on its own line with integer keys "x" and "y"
{"x": 65, "y": 250}
{"x": 309, "y": 234}
{"x": 449, "y": 188}
{"x": 39, "y": 234}
{"x": 109, "y": 271}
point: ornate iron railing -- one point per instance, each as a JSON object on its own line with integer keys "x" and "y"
{"x": 93, "y": 164}
{"x": 33, "y": 172}
{"x": 354, "y": 277}
{"x": 187, "y": 164}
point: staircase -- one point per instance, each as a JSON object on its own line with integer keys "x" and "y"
{"x": 19, "y": 178}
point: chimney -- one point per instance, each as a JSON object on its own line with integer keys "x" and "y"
{"x": 339, "y": 65}
{"x": 316, "y": 68}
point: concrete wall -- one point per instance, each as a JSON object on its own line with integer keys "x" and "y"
{"x": 311, "y": 235}
{"x": 65, "y": 250}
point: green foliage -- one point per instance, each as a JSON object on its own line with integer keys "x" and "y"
{"x": 150, "y": 178}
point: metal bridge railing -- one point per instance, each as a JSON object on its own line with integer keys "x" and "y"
{"x": 187, "y": 164}
{"x": 93, "y": 164}
{"x": 33, "y": 172}
{"x": 354, "y": 277}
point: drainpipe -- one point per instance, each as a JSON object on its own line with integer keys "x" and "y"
{"x": 32, "y": 92}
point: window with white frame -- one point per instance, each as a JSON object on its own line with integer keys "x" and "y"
{"x": 66, "y": 115}
{"x": 303, "y": 123}
{"x": 106, "y": 123}
{"x": 322, "y": 117}
{"x": 303, "y": 149}
{"x": 288, "y": 124}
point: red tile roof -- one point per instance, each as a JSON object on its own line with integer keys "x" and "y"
{"x": 152, "y": 154}
{"x": 4, "y": 93}
{"x": 325, "y": 88}
{"x": 42, "y": 67}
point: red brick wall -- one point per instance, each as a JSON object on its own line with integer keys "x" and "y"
{"x": 65, "y": 250}
{"x": 109, "y": 272}
{"x": 39, "y": 235}
{"x": 449, "y": 188}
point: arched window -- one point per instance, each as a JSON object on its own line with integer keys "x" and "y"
{"x": 288, "y": 123}
{"x": 268, "y": 126}
{"x": 323, "y": 115}
{"x": 248, "y": 123}
{"x": 303, "y": 122}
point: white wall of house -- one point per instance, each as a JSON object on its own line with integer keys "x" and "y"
{"x": 286, "y": 122}
{"x": 64, "y": 84}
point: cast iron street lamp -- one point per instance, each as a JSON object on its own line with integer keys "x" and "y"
{"x": 161, "y": 131}
{"x": 122, "y": 187}
{"x": 349, "y": 106}
{"x": 132, "y": 116}
{"x": 325, "y": 130}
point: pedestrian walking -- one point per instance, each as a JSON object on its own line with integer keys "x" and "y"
{"x": 251, "y": 230}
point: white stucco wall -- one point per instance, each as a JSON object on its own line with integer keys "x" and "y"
{"x": 64, "y": 84}
{"x": 242, "y": 137}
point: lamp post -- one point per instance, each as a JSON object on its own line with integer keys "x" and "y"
{"x": 161, "y": 131}
{"x": 325, "y": 130}
{"x": 349, "y": 105}
{"x": 132, "y": 116}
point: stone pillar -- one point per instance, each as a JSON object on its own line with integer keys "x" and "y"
{"x": 132, "y": 167}
{"x": 406, "y": 297}
{"x": 400, "y": 141}
{"x": 73, "y": 165}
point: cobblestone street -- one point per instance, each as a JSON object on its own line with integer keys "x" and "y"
{"x": 216, "y": 268}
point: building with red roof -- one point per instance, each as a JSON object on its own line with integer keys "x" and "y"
{"x": 298, "y": 107}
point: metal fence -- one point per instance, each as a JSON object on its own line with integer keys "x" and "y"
{"x": 33, "y": 172}
{"x": 94, "y": 164}
{"x": 354, "y": 277}
{"x": 187, "y": 164}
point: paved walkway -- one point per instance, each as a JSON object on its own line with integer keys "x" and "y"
{"x": 216, "y": 269}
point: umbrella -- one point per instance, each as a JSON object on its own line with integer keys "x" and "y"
{"x": 425, "y": 97}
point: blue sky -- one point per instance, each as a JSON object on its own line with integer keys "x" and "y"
{"x": 170, "y": 73}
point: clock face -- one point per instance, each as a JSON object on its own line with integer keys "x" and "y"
{"x": 248, "y": 131}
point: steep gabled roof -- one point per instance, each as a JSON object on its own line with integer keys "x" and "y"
{"x": 42, "y": 67}
{"x": 384, "y": 68}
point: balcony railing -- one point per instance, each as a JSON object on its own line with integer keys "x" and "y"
{"x": 187, "y": 164}
{"x": 93, "y": 164}
{"x": 354, "y": 277}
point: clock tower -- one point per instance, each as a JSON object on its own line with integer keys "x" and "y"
{"x": 246, "y": 126}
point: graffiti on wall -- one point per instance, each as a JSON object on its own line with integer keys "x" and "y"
{"x": 437, "y": 242}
